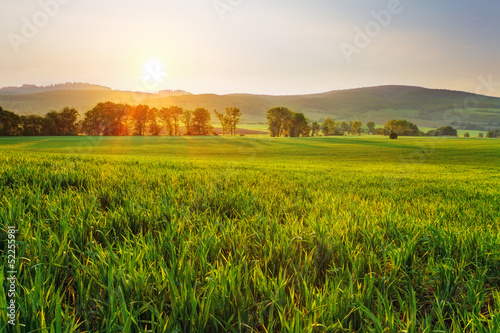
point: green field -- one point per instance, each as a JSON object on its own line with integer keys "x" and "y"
{"x": 220, "y": 234}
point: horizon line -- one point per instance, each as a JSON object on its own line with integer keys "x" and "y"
{"x": 232, "y": 93}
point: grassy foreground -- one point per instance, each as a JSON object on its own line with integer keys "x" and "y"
{"x": 252, "y": 234}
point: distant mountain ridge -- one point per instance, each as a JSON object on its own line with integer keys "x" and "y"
{"x": 34, "y": 89}
{"x": 422, "y": 106}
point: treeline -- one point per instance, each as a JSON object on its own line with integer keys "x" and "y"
{"x": 64, "y": 122}
{"x": 111, "y": 119}
{"x": 283, "y": 122}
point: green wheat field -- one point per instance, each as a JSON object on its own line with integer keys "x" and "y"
{"x": 253, "y": 234}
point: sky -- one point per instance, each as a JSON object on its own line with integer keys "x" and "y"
{"x": 277, "y": 47}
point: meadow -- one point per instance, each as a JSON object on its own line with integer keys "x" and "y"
{"x": 253, "y": 234}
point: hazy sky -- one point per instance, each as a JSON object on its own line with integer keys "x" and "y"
{"x": 254, "y": 46}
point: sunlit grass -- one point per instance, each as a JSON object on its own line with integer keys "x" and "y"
{"x": 254, "y": 234}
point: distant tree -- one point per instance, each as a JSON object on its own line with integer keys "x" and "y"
{"x": 234, "y": 115}
{"x": 343, "y": 127}
{"x": 201, "y": 122}
{"x": 51, "y": 124}
{"x": 349, "y": 131}
{"x": 433, "y": 132}
{"x": 175, "y": 114}
{"x": 154, "y": 123}
{"x": 224, "y": 122}
{"x": 466, "y": 135}
{"x": 68, "y": 118}
{"x": 299, "y": 126}
{"x": 165, "y": 114}
{"x": 448, "y": 131}
{"x": 9, "y": 123}
{"x": 279, "y": 120}
{"x": 32, "y": 125}
{"x": 141, "y": 115}
{"x": 442, "y": 131}
{"x": 186, "y": 118}
{"x": 92, "y": 123}
{"x": 356, "y": 127}
{"x": 328, "y": 127}
{"x": 380, "y": 131}
{"x": 315, "y": 128}
{"x": 128, "y": 123}
{"x": 480, "y": 135}
{"x": 371, "y": 127}
{"x": 493, "y": 134}
{"x": 107, "y": 118}
{"x": 402, "y": 128}
{"x": 393, "y": 136}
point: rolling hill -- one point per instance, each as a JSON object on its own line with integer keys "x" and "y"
{"x": 424, "y": 107}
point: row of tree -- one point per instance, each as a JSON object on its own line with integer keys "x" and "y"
{"x": 64, "y": 122}
{"x": 283, "y": 122}
{"x": 111, "y": 119}
{"x": 121, "y": 119}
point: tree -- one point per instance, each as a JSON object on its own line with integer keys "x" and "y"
{"x": 32, "y": 125}
{"x": 154, "y": 124}
{"x": 401, "y": 128}
{"x": 480, "y": 135}
{"x": 493, "y": 134}
{"x": 466, "y": 135}
{"x": 447, "y": 131}
{"x": 328, "y": 127}
{"x": 114, "y": 118}
{"x": 223, "y": 122}
{"x": 393, "y": 136}
{"x": 186, "y": 118}
{"x": 233, "y": 115}
{"x": 175, "y": 115}
{"x": 371, "y": 126}
{"x": 343, "y": 127}
{"x": 67, "y": 121}
{"x": 92, "y": 123}
{"x": 108, "y": 119}
{"x": 442, "y": 131}
{"x": 201, "y": 122}
{"x": 356, "y": 127}
{"x": 166, "y": 116}
{"x": 315, "y": 128}
{"x": 141, "y": 115}
{"x": 299, "y": 126}
{"x": 230, "y": 120}
{"x": 9, "y": 123}
{"x": 51, "y": 124}
{"x": 279, "y": 120}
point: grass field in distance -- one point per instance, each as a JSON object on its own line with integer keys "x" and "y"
{"x": 254, "y": 234}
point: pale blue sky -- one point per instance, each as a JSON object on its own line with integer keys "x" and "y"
{"x": 255, "y": 46}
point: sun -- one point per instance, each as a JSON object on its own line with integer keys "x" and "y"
{"x": 154, "y": 73}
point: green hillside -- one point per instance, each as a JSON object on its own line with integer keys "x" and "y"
{"x": 425, "y": 107}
